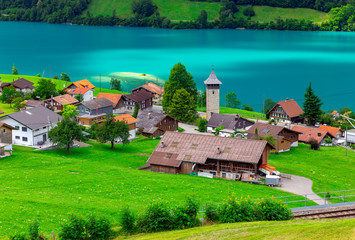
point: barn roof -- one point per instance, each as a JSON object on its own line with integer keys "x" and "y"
{"x": 291, "y": 107}
{"x": 264, "y": 129}
{"x": 149, "y": 119}
{"x": 212, "y": 79}
{"x": 198, "y": 148}
{"x": 20, "y": 83}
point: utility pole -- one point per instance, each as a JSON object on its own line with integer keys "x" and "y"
{"x": 346, "y": 142}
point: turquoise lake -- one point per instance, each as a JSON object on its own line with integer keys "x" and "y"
{"x": 254, "y": 64}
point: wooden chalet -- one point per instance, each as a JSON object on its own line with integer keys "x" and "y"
{"x": 21, "y": 84}
{"x": 287, "y": 111}
{"x": 156, "y": 90}
{"x": 285, "y": 137}
{"x": 116, "y": 99}
{"x": 94, "y": 111}
{"x": 57, "y": 103}
{"x": 155, "y": 124}
{"x": 183, "y": 153}
{"x": 6, "y": 136}
{"x": 142, "y": 97}
{"x": 307, "y": 134}
{"x": 230, "y": 122}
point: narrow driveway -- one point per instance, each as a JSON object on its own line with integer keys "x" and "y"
{"x": 191, "y": 129}
{"x": 301, "y": 186}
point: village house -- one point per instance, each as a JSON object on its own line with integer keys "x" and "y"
{"x": 21, "y": 84}
{"x": 130, "y": 122}
{"x": 116, "y": 99}
{"x": 155, "y": 124}
{"x": 83, "y": 87}
{"x": 142, "y": 97}
{"x": 81, "y": 84}
{"x": 156, "y": 90}
{"x": 6, "y": 136}
{"x": 287, "y": 111}
{"x": 337, "y": 132}
{"x": 94, "y": 111}
{"x": 285, "y": 138}
{"x": 307, "y": 134}
{"x": 32, "y": 103}
{"x": 32, "y": 125}
{"x": 183, "y": 153}
{"x": 230, "y": 122}
{"x": 57, "y": 103}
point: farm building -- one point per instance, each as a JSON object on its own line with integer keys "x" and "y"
{"x": 285, "y": 138}
{"x": 21, "y": 84}
{"x": 154, "y": 89}
{"x": 306, "y": 134}
{"x": 155, "y": 124}
{"x": 142, "y": 97}
{"x": 230, "y": 122}
{"x": 287, "y": 111}
{"x": 183, "y": 153}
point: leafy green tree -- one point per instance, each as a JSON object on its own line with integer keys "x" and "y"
{"x": 179, "y": 79}
{"x": 112, "y": 130}
{"x": 115, "y": 83}
{"x": 9, "y": 94}
{"x": 79, "y": 97}
{"x": 268, "y": 105}
{"x": 231, "y": 100}
{"x": 143, "y": 8}
{"x": 136, "y": 110}
{"x": 183, "y": 106}
{"x": 202, "y": 19}
{"x": 202, "y": 125}
{"x": 69, "y": 111}
{"x": 247, "y": 108}
{"x": 18, "y": 103}
{"x": 45, "y": 89}
{"x": 201, "y": 99}
{"x": 65, "y": 77}
{"x": 249, "y": 11}
{"x": 66, "y": 131}
{"x": 14, "y": 70}
{"x": 311, "y": 106}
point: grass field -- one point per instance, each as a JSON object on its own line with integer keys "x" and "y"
{"x": 60, "y": 84}
{"x": 49, "y": 185}
{"x": 295, "y": 229}
{"x": 173, "y": 9}
{"x": 328, "y": 168}
{"x": 241, "y": 112}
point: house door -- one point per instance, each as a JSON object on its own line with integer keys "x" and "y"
{"x": 44, "y": 137}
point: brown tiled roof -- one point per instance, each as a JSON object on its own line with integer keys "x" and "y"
{"x": 140, "y": 95}
{"x": 65, "y": 99}
{"x": 332, "y": 130}
{"x": 308, "y": 133}
{"x": 113, "y": 97}
{"x": 212, "y": 79}
{"x": 83, "y": 84}
{"x": 19, "y": 83}
{"x": 149, "y": 119}
{"x": 291, "y": 107}
{"x": 264, "y": 129}
{"x": 164, "y": 159}
{"x": 198, "y": 148}
{"x": 151, "y": 87}
{"x": 128, "y": 119}
{"x": 32, "y": 103}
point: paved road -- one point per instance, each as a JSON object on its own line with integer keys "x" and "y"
{"x": 301, "y": 186}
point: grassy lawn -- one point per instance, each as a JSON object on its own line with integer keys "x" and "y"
{"x": 329, "y": 168}
{"x": 173, "y": 9}
{"x": 295, "y": 229}
{"x": 241, "y": 112}
{"x": 49, "y": 185}
{"x": 267, "y": 14}
{"x": 9, "y": 78}
{"x": 104, "y": 90}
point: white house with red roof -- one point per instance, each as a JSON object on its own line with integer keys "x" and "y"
{"x": 88, "y": 93}
{"x": 287, "y": 111}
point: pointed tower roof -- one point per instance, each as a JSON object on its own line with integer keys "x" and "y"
{"x": 212, "y": 79}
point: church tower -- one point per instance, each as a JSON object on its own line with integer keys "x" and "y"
{"x": 212, "y": 94}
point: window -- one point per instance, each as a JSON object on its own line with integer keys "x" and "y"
{"x": 4, "y": 130}
{"x": 224, "y": 174}
{"x": 24, "y": 129}
{"x": 24, "y": 139}
{"x": 17, "y": 137}
{"x": 44, "y": 127}
{"x": 213, "y": 173}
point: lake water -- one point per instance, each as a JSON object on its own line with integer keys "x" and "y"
{"x": 254, "y": 64}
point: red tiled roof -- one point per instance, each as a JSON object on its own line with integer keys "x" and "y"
{"x": 152, "y": 87}
{"x": 329, "y": 129}
{"x": 78, "y": 90}
{"x": 65, "y": 99}
{"x": 115, "y": 98}
{"x": 126, "y": 118}
{"x": 335, "y": 112}
{"x": 308, "y": 133}
{"x": 291, "y": 107}
{"x": 83, "y": 84}
{"x": 264, "y": 129}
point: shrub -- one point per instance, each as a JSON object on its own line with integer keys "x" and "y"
{"x": 18, "y": 236}
{"x": 352, "y": 146}
{"x": 180, "y": 129}
{"x": 202, "y": 125}
{"x": 249, "y": 11}
{"x": 98, "y": 228}
{"x": 157, "y": 217}
{"x": 236, "y": 211}
{"x": 314, "y": 144}
{"x": 328, "y": 140}
{"x": 272, "y": 210}
{"x": 211, "y": 213}
{"x": 74, "y": 229}
{"x": 327, "y": 195}
{"x": 33, "y": 230}
{"x": 186, "y": 215}
{"x": 127, "y": 220}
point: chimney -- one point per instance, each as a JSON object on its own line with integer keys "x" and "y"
{"x": 219, "y": 150}
{"x": 149, "y": 115}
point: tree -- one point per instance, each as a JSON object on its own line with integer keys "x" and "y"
{"x": 9, "y": 94}
{"x": 201, "y": 99}
{"x": 231, "y": 100}
{"x": 202, "y": 125}
{"x": 247, "y": 108}
{"x": 69, "y": 111}
{"x": 136, "y": 110}
{"x": 179, "y": 79}
{"x": 202, "y": 19}
{"x": 249, "y": 11}
{"x": 14, "y": 70}
{"x": 79, "y": 97}
{"x": 112, "y": 130}
{"x": 115, "y": 83}
{"x": 268, "y": 105}
{"x": 45, "y": 89}
{"x": 183, "y": 106}
{"x": 65, "y": 77}
{"x": 311, "y": 106}
{"x": 143, "y": 8}
{"x": 66, "y": 131}
{"x": 18, "y": 103}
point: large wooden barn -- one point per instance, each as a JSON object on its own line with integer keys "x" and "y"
{"x": 183, "y": 153}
